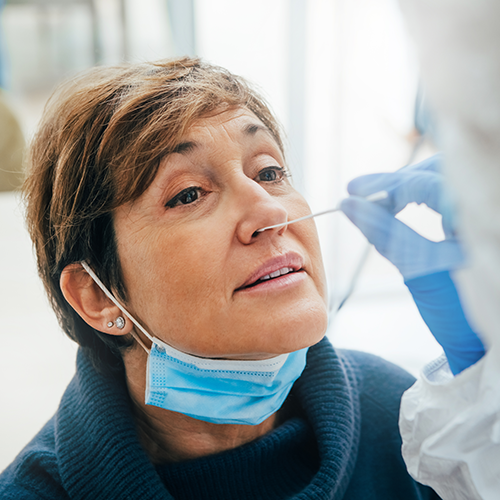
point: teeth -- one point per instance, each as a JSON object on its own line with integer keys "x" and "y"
{"x": 275, "y": 274}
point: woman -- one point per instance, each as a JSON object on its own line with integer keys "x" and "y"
{"x": 148, "y": 184}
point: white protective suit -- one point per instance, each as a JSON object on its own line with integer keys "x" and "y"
{"x": 451, "y": 426}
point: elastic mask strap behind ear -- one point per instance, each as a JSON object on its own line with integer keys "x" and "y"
{"x": 117, "y": 304}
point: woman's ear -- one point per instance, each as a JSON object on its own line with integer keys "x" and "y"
{"x": 90, "y": 302}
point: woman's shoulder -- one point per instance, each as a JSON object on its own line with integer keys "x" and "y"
{"x": 367, "y": 378}
{"x": 34, "y": 473}
{"x": 365, "y": 374}
{"x": 380, "y": 385}
{"x": 378, "y": 380}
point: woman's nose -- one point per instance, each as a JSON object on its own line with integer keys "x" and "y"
{"x": 259, "y": 209}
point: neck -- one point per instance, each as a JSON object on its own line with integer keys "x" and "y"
{"x": 168, "y": 436}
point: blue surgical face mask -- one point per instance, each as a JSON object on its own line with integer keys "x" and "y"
{"x": 213, "y": 390}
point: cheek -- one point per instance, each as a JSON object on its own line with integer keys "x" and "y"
{"x": 318, "y": 269}
{"x": 308, "y": 235}
{"x": 171, "y": 274}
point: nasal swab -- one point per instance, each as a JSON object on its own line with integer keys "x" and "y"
{"x": 379, "y": 195}
{"x": 329, "y": 211}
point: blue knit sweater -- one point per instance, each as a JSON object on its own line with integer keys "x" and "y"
{"x": 343, "y": 444}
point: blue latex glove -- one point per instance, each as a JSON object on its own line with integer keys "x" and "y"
{"x": 424, "y": 264}
{"x": 412, "y": 254}
{"x": 439, "y": 304}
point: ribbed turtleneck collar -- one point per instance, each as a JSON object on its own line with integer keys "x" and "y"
{"x": 98, "y": 447}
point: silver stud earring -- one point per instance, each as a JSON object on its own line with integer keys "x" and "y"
{"x": 110, "y": 324}
{"x": 120, "y": 323}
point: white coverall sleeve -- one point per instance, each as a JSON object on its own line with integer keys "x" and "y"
{"x": 451, "y": 426}
{"x": 451, "y": 429}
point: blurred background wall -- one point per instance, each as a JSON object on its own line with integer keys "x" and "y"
{"x": 341, "y": 76}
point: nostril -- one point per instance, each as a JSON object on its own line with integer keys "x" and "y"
{"x": 280, "y": 229}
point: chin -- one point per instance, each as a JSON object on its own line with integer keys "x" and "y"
{"x": 259, "y": 335}
{"x": 307, "y": 337}
{"x": 298, "y": 332}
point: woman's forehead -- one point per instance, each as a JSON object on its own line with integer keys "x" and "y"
{"x": 239, "y": 120}
{"x": 212, "y": 132}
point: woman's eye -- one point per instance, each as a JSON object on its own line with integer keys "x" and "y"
{"x": 271, "y": 174}
{"x": 185, "y": 197}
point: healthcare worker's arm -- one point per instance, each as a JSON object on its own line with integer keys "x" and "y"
{"x": 450, "y": 425}
{"x": 425, "y": 265}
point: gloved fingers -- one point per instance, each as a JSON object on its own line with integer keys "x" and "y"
{"x": 392, "y": 239}
{"x": 410, "y": 252}
{"x": 449, "y": 226}
{"x": 419, "y": 183}
{"x": 417, "y": 187}
{"x": 448, "y": 211}
{"x": 372, "y": 220}
{"x": 403, "y": 187}
{"x": 432, "y": 164}
{"x": 448, "y": 255}
{"x": 439, "y": 197}
{"x": 365, "y": 185}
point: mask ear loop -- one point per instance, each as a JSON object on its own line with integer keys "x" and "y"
{"x": 117, "y": 304}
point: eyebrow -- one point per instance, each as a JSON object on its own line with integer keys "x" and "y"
{"x": 185, "y": 147}
{"x": 253, "y": 128}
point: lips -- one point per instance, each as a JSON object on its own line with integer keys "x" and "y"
{"x": 274, "y": 268}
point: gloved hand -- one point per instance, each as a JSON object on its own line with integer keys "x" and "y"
{"x": 412, "y": 254}
{"x": 424, "y": 264}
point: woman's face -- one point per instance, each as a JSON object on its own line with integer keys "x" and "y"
{"x": 197, "y": 274}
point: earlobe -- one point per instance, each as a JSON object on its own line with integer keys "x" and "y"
{"x": 90, "y": 302}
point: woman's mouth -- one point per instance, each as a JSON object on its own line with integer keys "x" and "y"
{"x": 275, "y": 274}
{"x": 268, "y": 283}
{"x": 279, "y": 271}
